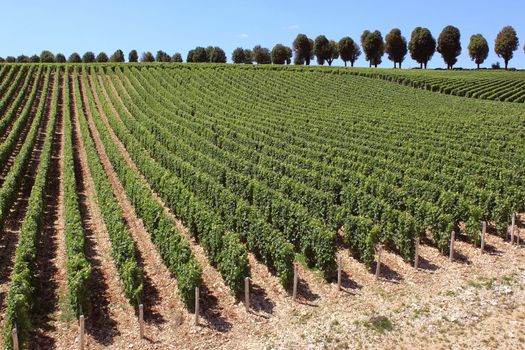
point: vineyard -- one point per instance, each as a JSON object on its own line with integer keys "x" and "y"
{"x": 128, "y": 186}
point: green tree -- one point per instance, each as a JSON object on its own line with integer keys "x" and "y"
{"x": 449, "y": 45}
{"x": 249, "y": 56}
{"x": 89, "y": 57}
{"x": 422, "y": 46}
{"x": 261, "y": 55}
{"x": 102, "y": 57}
{"x": 47, "y": 57}
{"x": 216, "y": 55}
{"x": 60, "y": 58}
{"x": 321, "y": 49}
{"x": 22, "y": 59}
{"x": 133, "y": 56}
{"x": 396, "y": 46}
{"x": 177, "y": 58}
{"x": 348, "y": 50}
{"x": 238, "y": 56}
{"x": 10, "y": 59}
{"x": 2, "y": 60}
{"x": 199, "y": 55}
{"x": 506, "y": 43}
{"x": 333, "y": 53}
{"x": 303, "y": 49}
{"x": 162, "y": 57}
{"x": 74, "y": 58}
{"x": 147, "y": 57}
{"x": 478, "y": 49}
{"x": 281, "y": 54}
{"x": 373, "y": 47}
{"x": 34, "y": 59}
{"x": 118, "y": 56}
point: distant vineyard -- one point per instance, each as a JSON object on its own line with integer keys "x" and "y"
{"x": 285, "y": 163}
{"x": 486, "y": 85}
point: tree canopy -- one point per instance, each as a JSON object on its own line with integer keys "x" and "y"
{"x": 133, "y": 56}
{"x": 118, "y": 56}
{"x": 102, "y": 57}
{"x": 449, "y": 45}
{"x": 478, "y": 49}
{"x": 396, "y": 46}
{"x": 47, "y": 57}
{"x": 506, "y": 43}
{"x": 88, "y": 57}
{"x": 162, "y": 57}
{"x": 303, "y": 49}
{"x": 373, "y": 47}
{"x": 177, "y": 57}
{"x": 216, "y": 54}
{"x": 74, "y": 58}
{"x": 348, "y": 50}
{"x": 422, "y": 46}
{"x": 281, "y": 54}
{"x": 261, "y": 55}
{"x": 60, "y": 58}
{"x": 147, "y": 57}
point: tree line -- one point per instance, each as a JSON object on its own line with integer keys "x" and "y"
{"x": 422, "y": 47}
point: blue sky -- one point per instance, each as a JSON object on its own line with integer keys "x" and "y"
{"x": 66, "y": 26}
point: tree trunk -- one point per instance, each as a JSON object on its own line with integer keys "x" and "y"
{"x": 370, "y": 64}
{"x": 400, "y": 65}
{"x": 345, "y": 63}
{"x": 352, "y": 64}
{"x": 395, "y": 65}
{"x": 506, "y": 64}
{"x": 421, "y": 65}
{"x": 478, "y": 65}
{"x": 375, "y": 65}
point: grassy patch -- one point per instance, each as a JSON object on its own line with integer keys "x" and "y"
{"x": 380, "y": 324}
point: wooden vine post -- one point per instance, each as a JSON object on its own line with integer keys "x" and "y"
{"x": 295, "y": 280}
{"x": 483, "y": 233}
{"x": 416, "y": 257}
{"x": 513, "y": 225}
{"x": 339, "y": 267}
{"x": 82, "y": 332}
{"x": 247, "y": 293}
{"x": 378, "y": 265}
{"x": 141, "y": 321}
{"x": 14, "y": 334}
{"x": 452, "y": 238}
{"x": 197, "y": 306}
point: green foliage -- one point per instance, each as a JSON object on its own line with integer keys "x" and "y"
{"x": 261, "y": 55}
{"x": 396, "y": 46}
{"x": 162, "y": 57}
{"x": 216, "y": 54}
{"x": 102, "y": 58}
{"x": 449, "y": 45}
{"x": 10, "y": 59}
{"x": 22, "y": 59}
{"x": 60, "y": 58}
{"x": 506, "y": 43}
{"x": 478, "y": 49}
{"x": 34, "y": 59}
{"x": 74, "y": 58}
{"x": 133, "y": 56}
{"x": 373, "y": 47}
{"x": 422, "y": 46}
{"x": 281, "y": 54}
{"x": 47, "y": 57}
{"x": 348, "y": 50}
{"x": 177, "y": 58}
{"x": 88, "y": 57}
{"x": 238, "y": 56}
{"x": 147, "y": 57}
{"x": 118, "y": 56}
{"x": 303, "y": 49}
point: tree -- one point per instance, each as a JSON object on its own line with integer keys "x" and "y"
{"x": 118, "y": 56}
{"x": 133, "y": 56}
{"x": 396, "y": 46}
{"x": 34, "y": 59}
{"x": 506, "y": 43}
{"x": 47, "y": 57}
{"x": 373, "y": 46}
{"x": 248, "y": 54}
{"x": 60, "y": 58}
{"x": 147, "y": 57}
{"x": 422, "y": 46}
{"x": 74, "y": 58}
{"x": 449, "y": 45}
{"x": 162, "y": 57}
{"x": 303, "y": 48}
{"x": 10, "y": 59}
{"x": 281, "y": 54}
{"x": 89, "y": 57}
{"x": 2, "y": 60}
{"x": 238, "y": 56}
{"x": 333, "y": 52}
{"x": 348, "y": 50}
{"x": 261, "y": 55}
{"x": 321, "y": 49}
{"x": 216, "y": 55}
{"x": 478, "y": 49}
{"x": 22, "y": 59}
{"x": 198, "y": 55}
{"x": 102, "y": 57}
{"x": 177, "y": 58}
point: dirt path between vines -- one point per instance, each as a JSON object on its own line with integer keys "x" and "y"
{"x": 111, "y": 320}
